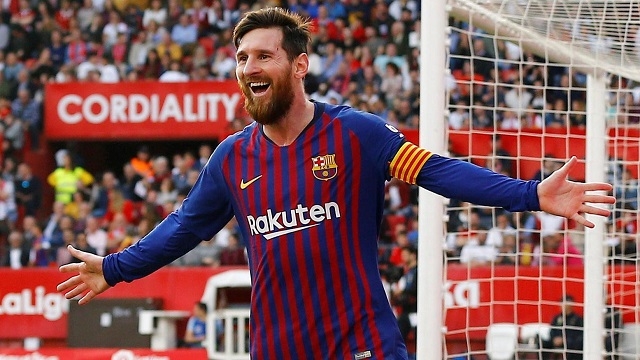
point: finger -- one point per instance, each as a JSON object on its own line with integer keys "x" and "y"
{"x": 581, "y": 220}
{"x": 79, "y": 254}
{"x": 69, "y": 283}
{"x": 564, "y": 170}
{"x": 76, "y": 291}
{"x": 69, "y": 268}
{"x": 597, "y": 187}
{"x": 87, "y": 297}
{"x": 600, "y": 199}
{"x": 588, "y": 209}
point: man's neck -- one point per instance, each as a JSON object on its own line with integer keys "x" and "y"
{"x": 287, "y": 130}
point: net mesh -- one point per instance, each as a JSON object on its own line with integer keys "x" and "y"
{"x": 521, "y": 109}
{"x": 599, "y": 35}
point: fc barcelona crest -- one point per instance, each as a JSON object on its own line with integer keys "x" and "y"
{"x": 324, "y": 167}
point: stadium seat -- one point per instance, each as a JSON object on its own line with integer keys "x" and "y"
{"x": 502, "y": 341}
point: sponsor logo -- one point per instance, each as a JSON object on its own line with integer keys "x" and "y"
{"x": 244, "y": 185}
{"x": 362, "y": 355}
{"x": 324, "y": 167}
{"x": 32, "y": 356}
{"x": 129, "y": 355}
{"x": 393, "y": 129}
{"x": 274, "y": 224}
{"x": 465, "y": 294}
{"x": 138, "y": 108}
{"x": 34, "y": 302}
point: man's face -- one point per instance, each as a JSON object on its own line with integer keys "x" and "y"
{"x": 265, "y": 75}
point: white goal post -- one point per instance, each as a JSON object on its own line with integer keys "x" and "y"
{"x": 599, "y": 39}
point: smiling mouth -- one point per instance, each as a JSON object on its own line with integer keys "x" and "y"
{"x": 259, "y": 88}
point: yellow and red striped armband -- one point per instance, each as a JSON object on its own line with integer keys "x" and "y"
{"x": 408, "y": 161}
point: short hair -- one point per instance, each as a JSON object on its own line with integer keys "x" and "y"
{"x": 296, "y": 30}
{"x": 202, "y": 306}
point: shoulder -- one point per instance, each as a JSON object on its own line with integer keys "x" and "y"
{"x": 351, "y": 117}
{"x": 233, "y": 141}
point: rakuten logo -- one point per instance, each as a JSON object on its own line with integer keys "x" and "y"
{"x": 36, "y": 302}
{"x": 275, "y": 224}
{"x": 32, "y": 356}
{"x": 137, "y": 108}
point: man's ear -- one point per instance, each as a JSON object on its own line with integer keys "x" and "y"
{"x": 301, "y": 66}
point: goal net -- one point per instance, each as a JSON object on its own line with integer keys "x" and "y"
{"x": 529, "y": 85}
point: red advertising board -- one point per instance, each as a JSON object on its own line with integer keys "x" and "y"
{"x": 30, "y": 306}
{"x": 141, "y": 110}
{"x": 102, "y": 354}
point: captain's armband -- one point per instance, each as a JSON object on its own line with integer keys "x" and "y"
{"x": 408, "y": 161}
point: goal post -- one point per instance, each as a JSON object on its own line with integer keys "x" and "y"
{"x": 597, "y": 46}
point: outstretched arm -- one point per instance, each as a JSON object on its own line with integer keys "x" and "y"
{"x": 559, "y": 196}
{"x": 465, "y": 181}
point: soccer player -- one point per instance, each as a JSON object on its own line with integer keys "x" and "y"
{"x": 306, "y": 184}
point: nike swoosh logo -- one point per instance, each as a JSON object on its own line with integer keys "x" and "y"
{"x": 244, "y": 185}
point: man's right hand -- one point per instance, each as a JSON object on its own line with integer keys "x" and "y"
{"x": 88, "y": 280}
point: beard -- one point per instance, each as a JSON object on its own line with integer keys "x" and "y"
{"x": 270, "y": 111}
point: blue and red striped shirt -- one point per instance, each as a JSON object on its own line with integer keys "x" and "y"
{"x": 310, "y": 215}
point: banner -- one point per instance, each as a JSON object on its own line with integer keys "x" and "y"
{"x": 141, "y": 110}
{"x": 30, "y": 306}
{"x": 102, "y": 354}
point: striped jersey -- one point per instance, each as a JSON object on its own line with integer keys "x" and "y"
{"x": 310, "y": 215}
{"x": 311, "y": 212}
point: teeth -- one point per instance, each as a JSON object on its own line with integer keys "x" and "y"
{"x": 259, "y": 84}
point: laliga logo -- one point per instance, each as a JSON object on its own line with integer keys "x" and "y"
{"x": 129, "y": 355}
{"x": 51, "y": 305}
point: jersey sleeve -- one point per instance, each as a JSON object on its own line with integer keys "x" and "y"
{"x": 461, "y": 180}
{"x": 204, "y": 212}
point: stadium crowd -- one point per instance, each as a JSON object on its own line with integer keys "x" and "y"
{"x": 365, "y": 53}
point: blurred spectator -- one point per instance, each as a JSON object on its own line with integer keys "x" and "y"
{"x": 111, "y": 30}
{"x": 223, "y": 65}
{"x": 82, "y": 244}
{"x": 27, "y": 111}
{"x": 174, "y": 73}
{"x": 169, "y": 47}
{"x": 155, "y": 12}
{"x": 549, "y": 166}
{"x": 566, "y": 333}
{"x": 63, "y": 256}
{"x": 478, "y": 252}
{"x": 13, "y": 136}
{"x": 185, "y": 32}
{"x": 100, "y": 193}
{"x": 139, "y": 48}
{"x": 508, "y": 250}
{"x": 501, "y": 228}
{"x": 152, "y": 68}
{"x": 556, "y": 249}
{"x": 64, "y": 14}
{"x": 16, "y": 256}
{"x": 626, "y": 191}
{"x": 233, "y": 253}
{"x": 499, "y": 159}
{"x": 76, "y": 49}
{"x": 85, "y": 13}
{"x": 69, "y": 178}
{"x": 195, "y": 332}
{"x": 52, "y": 233}
{"x": 406, "y": 295}
{"x": 28, "y": 190}
{"x": 96, "y": 236}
